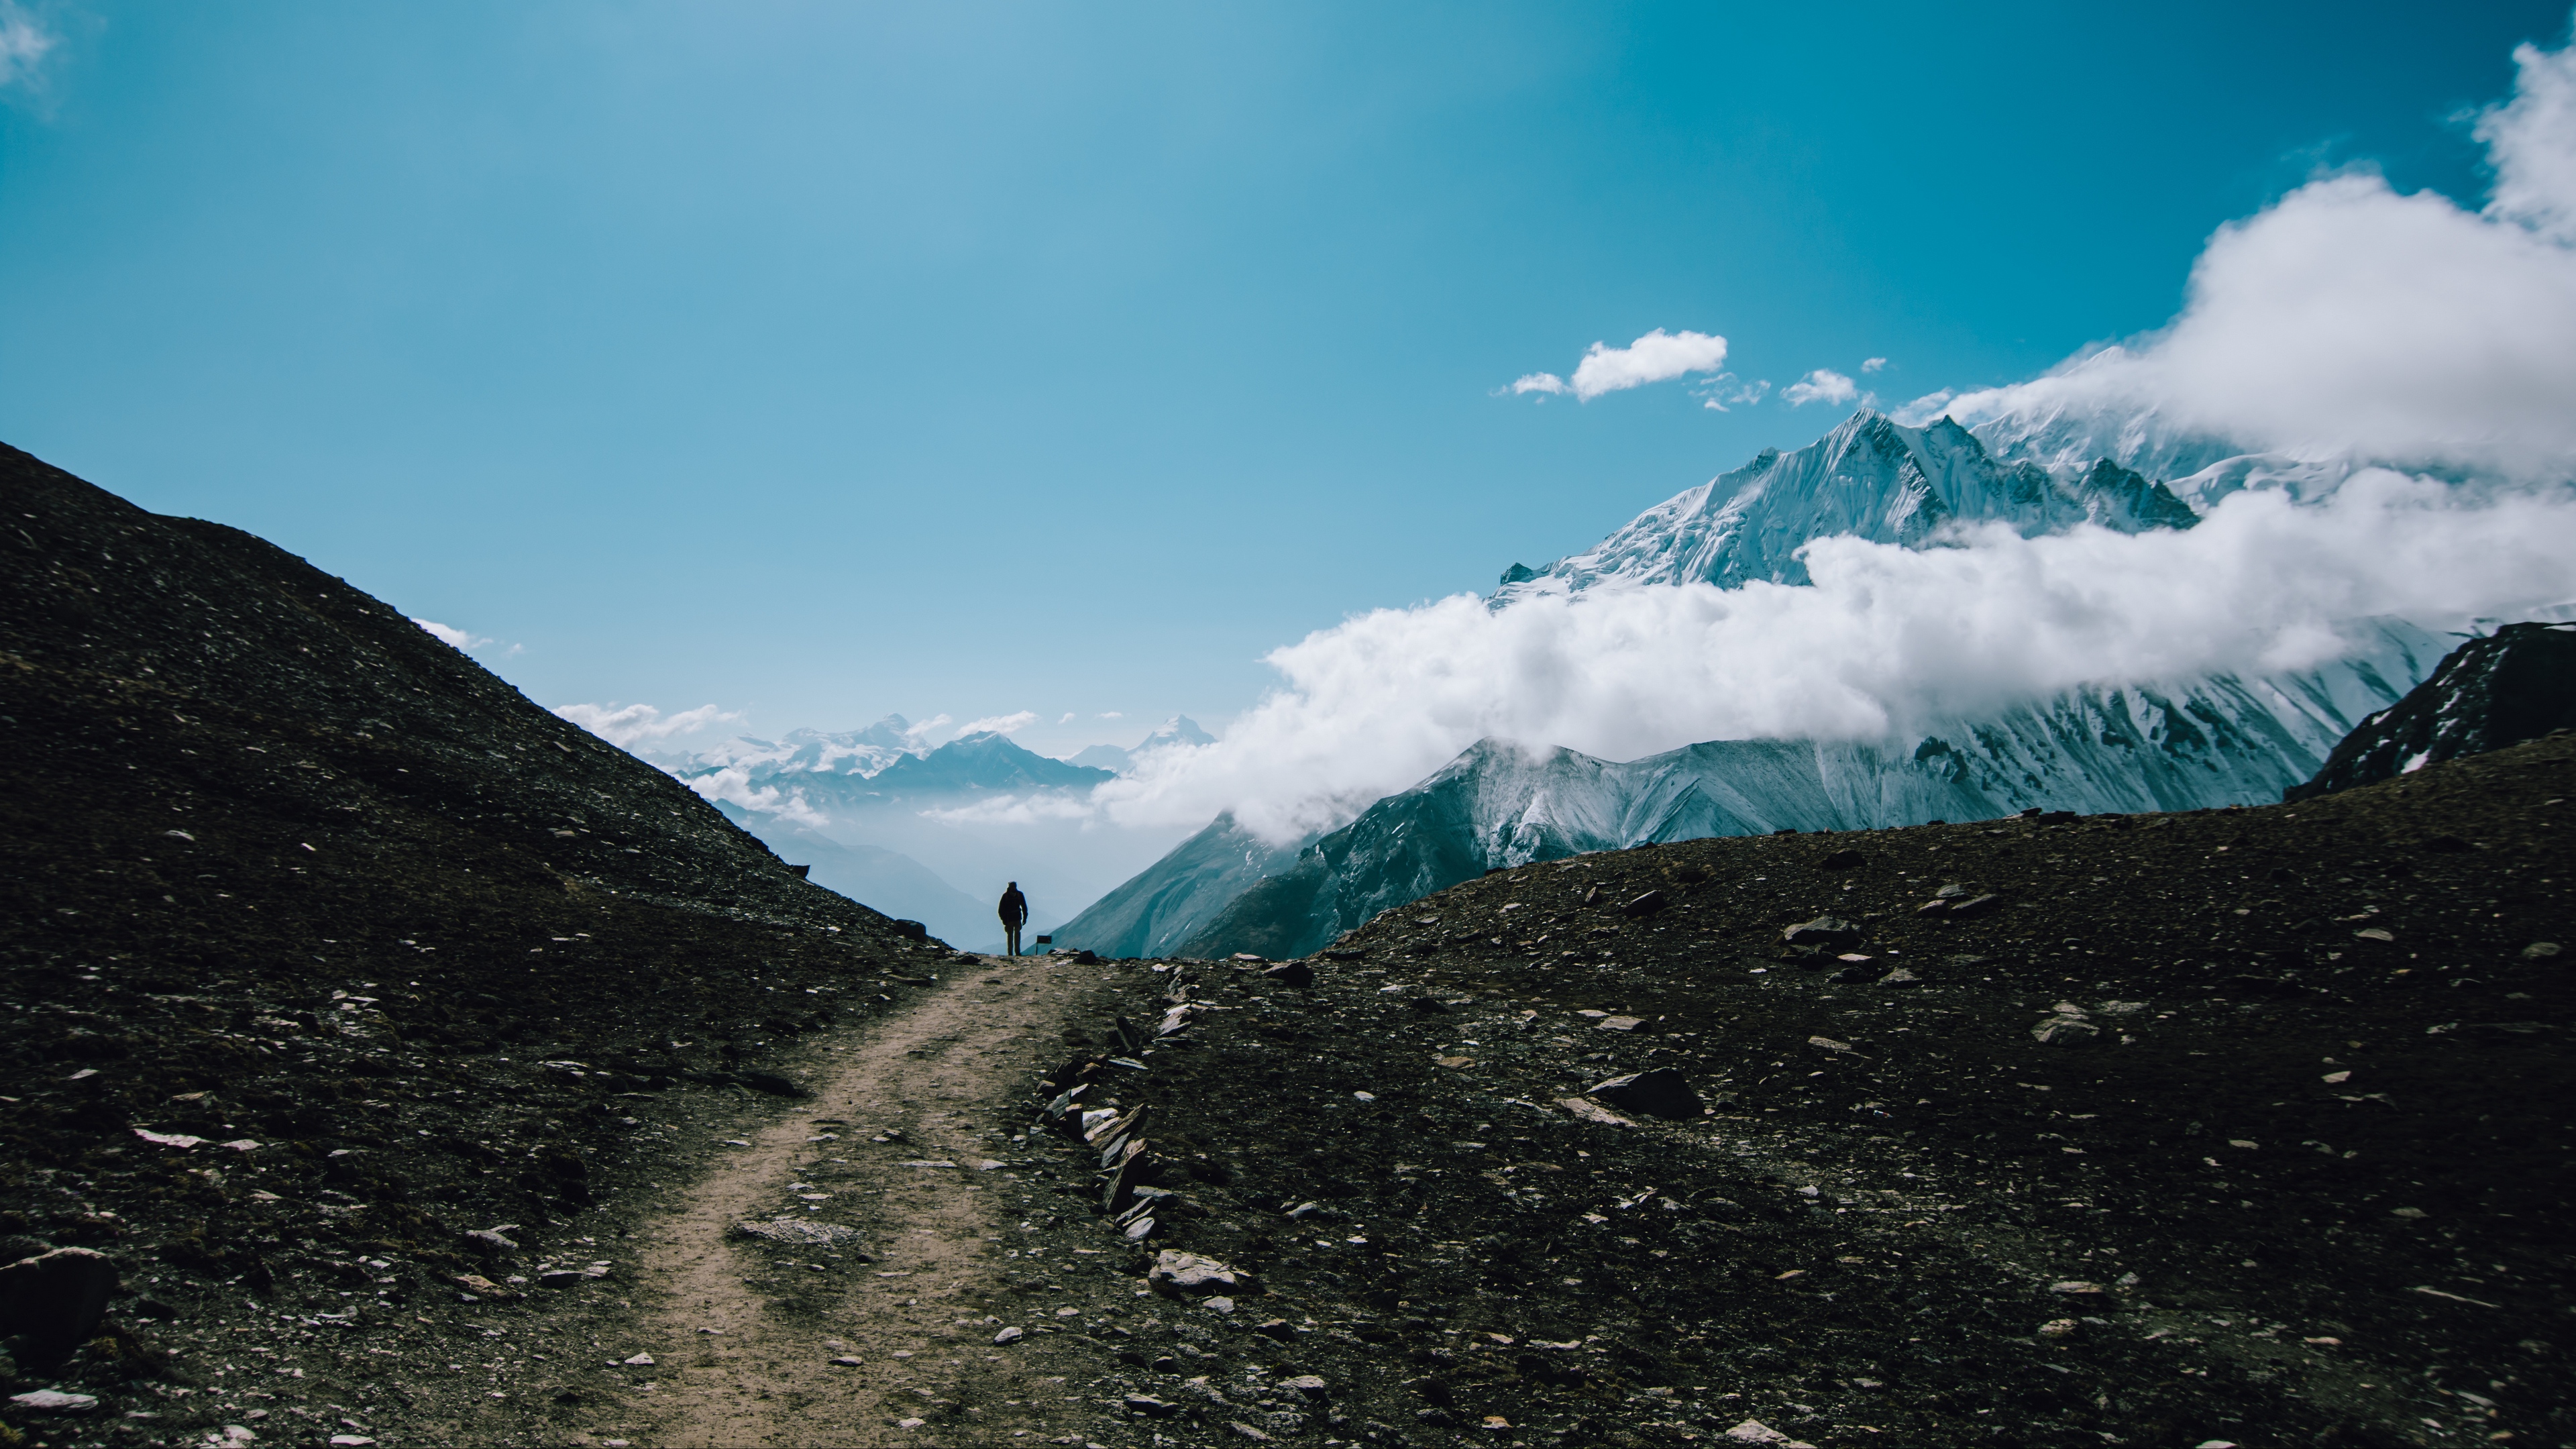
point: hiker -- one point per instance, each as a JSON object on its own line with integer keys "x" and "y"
{"x": 1015, "y": 914}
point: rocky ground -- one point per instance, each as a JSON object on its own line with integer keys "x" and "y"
{"x": 2244, "y": 1126}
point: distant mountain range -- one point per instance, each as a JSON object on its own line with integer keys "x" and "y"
{"x": 1180, "y": 729}
{"x": 932, "y": 834}
{"x": 2182, "y": 744}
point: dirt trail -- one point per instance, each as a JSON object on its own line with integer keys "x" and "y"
{"x": 930, "y": 1079}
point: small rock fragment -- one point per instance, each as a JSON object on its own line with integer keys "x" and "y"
{"x": 1591, "y": 1111}
{"x": 1754, "y": 1431}
{"x": 2066, "y": 1031}
{"x": 1009, "y": 1335}
{"x": 1822, "y": 931}
{"x": 2540, "y": 950}
{"x": 1619, "y": 1023}
{"x": 54, "y": 1401}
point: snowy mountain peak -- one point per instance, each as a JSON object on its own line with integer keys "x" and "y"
{"x": 1871, "y": 476}
{"x": 1180, "y": 729}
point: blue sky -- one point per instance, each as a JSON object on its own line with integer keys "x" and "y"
{"x": 820, "y": 361}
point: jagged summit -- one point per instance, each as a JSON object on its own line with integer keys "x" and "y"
{"x": 1871, "y": 477}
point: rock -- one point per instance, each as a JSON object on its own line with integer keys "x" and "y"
{"x": 641, "y": 1360}
{"x": 1278, "y": 1328}
{"x": 54, "y": 1401}
{"x": 2076, "y": 1288}
{"x": 1754, "y": 1431}
{"x": 771, "y": 1083}
{"x": 846, "y": 1361}
{"x": 1932, "y": 908}
{"x": 492, "y": 1241}
{"x": 482, "y": 1287}
{"x": 1009, "y": 1335}
{"x": 1437, "y": 1418}
{"x": 2066, "y": 1031}
{"x": 1972, "y": 906}
{"x": 1645, "y": 905}
{"x": 1139, "y": 1229}
{"x": 1842, "y": 860}
{"x": 1822, "y": 931}
{"x": 1131, "y": 1173}
{"x": 2057, "y": 1328}
{"x": 1179, "y": 1272}
{"x": 1251, "y": 1433}
{"x": 1248, "y": 958}
{"x": 1150, "y": 1406}
{"x": 54, "y": 1299}
{"x": 1296, "y": 974}
{"x": 1900, "y": 977}
{"x": 1593, "y": 1112}
{"x": 1663, "y": 1092}
{"x": 1307, "y": 1384}
{"x": 2540, "y": 951}
{"x": 1950, "y": 891}
{"x": 1831, "y": 1045}
{"x": 2374, "y": 933}
{"x": 1619, "y": 1023}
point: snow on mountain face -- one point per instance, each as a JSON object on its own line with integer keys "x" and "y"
{"x": 2219, "y": 741}
{"x": 2514, "y": 685}
{"x": 1871, "y": 477}
{"x": 2198, "y": 469}
{"x": 1163, "y": 905}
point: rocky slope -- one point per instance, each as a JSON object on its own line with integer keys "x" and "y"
{"x": 2241, "y": 1125}
{"x": 2516, "y": 684}
{"x": 324, "y": 950}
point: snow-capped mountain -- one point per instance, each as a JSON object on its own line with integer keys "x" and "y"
{"x": 2067, "y": 440}
{"x": 800, "y": 752}
{"x": 2516, "y": 684}
{"x": 1180, "y": 729}
{"x": 2108, "y": 750}
{"x": 2178, "y": 744}
{"x": 1870, "y": 476}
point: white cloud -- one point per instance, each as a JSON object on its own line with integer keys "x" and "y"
{"x": 453, "y": 638}
{"x": 1925, "y": 408}
{"x": 1016, "y": 810}
{"x": 1068, "y": 718}
{"x": 1872, "y": 364}
{"x": 1823, "y": 385}
{"x": 1114, "y": 714}
{"x": 2349, "y": 318}
{"x": 24, "y": 44}
{"x": 1885, "y": 637}
{"x": 1659, "y": 356}
{"x": 732, "y": 786}
{"x": 1000, "y": 724}
{"x": 640, "y": 723}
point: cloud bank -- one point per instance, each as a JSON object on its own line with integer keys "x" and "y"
{"x": 1658, "y": 356}
{"x": 2349, "y": 318}
{"x": 1884, "y": 639}
{"x": 640, "y": 723}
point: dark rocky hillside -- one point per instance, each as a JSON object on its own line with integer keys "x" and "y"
{"x": 2516, "y": 684}
{"x": 322, "y": 948}
{"x": 2237, "y": 1126}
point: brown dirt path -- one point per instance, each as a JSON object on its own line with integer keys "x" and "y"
{"x": 922, "y": 1317}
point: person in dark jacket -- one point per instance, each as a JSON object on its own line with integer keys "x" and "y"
{"x": 1015, "y": 914}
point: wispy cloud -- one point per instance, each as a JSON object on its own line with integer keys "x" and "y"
{"x": 1726, "y": 387}
{"x": 1000, "y": 724}
{"x": 1659, "y": 356}
{"x": 636, "y": 724}
{"x": 1872, "y": 364}
{"x": 452, "y": 637}
{"x": 1114, "y": 714}
{"x": 1823, "y": 385}
{"x": 733, "y": 786}
{"x": 24, "y": 43}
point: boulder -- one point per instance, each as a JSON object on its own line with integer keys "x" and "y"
{"x": 2066, "y": 1031}
{"x": 53, "y": 1300}
{"x": 1645, "y": 905}
{"x": 1662, "y": 1092}
{"x": 1298, "y": 974}
{"x": 1177, "y": 1272}
{"x": 1822, "y": 931}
